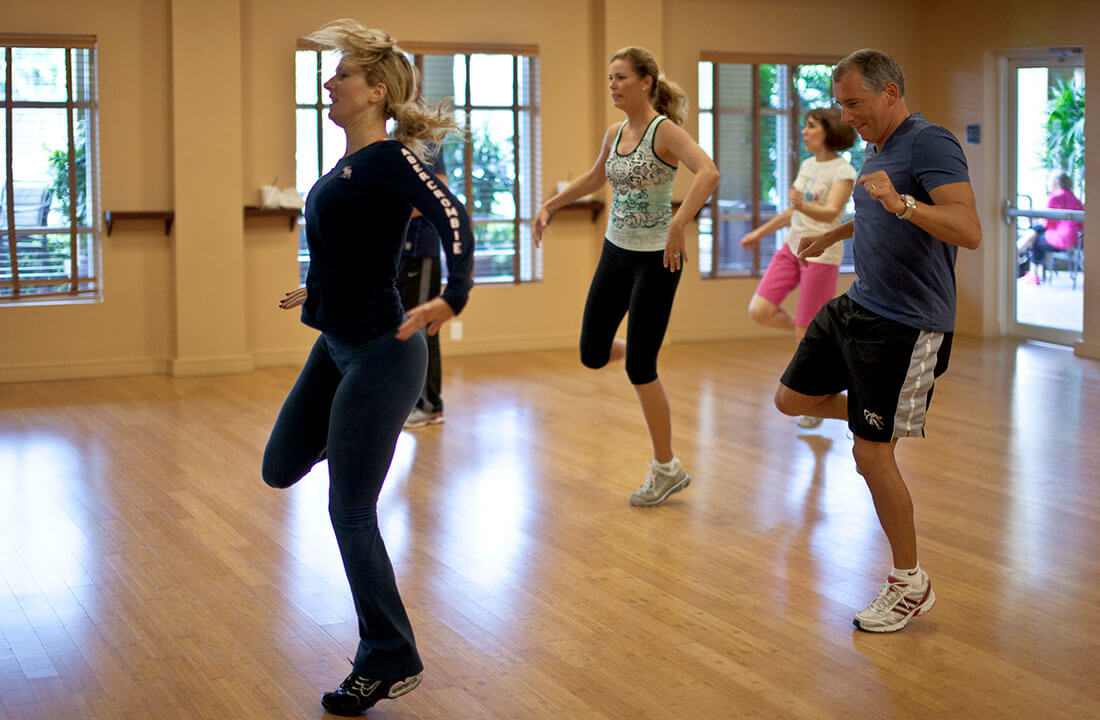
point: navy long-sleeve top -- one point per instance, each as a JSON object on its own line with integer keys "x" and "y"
{"x": 356, "y": 217}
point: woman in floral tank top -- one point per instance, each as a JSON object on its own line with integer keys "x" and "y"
{"x": 643, "y": 252}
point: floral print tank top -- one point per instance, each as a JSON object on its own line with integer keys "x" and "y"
{"x": 641, "y": 186}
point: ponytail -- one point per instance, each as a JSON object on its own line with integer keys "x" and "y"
{"x": 421, "y": 128}
{"x": 670, "y": 100}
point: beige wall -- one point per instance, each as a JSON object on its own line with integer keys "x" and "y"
{"x": 176, "y": 133}
{"x": 132, "y": 329}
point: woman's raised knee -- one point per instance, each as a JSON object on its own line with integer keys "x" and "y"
{"x": 594, "y": 360}
{"x": 760, "y": 313}
{"x": 279, "y": 474}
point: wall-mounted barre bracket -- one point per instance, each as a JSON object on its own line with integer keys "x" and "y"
{"x": 110, "y": 216}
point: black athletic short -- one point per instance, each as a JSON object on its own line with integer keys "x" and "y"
{"x": 887, "y": 368}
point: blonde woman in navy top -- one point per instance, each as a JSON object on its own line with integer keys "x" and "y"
{"x": 367, "y": 367}
{"x": 643, "y": 252}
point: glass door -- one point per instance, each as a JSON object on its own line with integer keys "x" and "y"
{"x": 1045, "y": 195}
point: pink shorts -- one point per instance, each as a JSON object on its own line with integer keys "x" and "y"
{"x": 785, "y": 273}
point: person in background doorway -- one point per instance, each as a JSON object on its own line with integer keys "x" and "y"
{"x": 1048, "y": 235}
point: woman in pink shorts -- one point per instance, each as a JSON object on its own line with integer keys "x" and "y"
{"x": 817, "y": 201}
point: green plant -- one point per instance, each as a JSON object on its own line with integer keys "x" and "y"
{"x": 59, "y": 182}
{"x": 492, "y": 180}
{"x": 59, "y": 177}
{"x": 1065, "y": 131}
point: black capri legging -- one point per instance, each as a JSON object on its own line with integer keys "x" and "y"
{"x": 634, "y": 281}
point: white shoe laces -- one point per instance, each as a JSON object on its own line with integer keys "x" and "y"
{"x": 650, "y": 481}
{"x": 888, "y": 597}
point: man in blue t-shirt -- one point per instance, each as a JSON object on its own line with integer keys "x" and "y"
{"x": 418, "y": 281}
{"x": 889, "y": 337}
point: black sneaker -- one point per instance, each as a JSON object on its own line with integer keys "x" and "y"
{"x": 358, "y": 693}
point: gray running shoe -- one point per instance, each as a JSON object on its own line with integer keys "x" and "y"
{"x": 658, "y": 485}
{"x": 420, "y": 418}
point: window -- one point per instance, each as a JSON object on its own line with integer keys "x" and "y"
{"x": 751, "y": 112}
{"x": 495, "y": 95}
{"x": 47, "y": 190}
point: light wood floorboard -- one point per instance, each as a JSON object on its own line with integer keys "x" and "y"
{"x": 147, "y": 571}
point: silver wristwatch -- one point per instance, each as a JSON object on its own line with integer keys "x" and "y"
{"x": 910, "y": 206}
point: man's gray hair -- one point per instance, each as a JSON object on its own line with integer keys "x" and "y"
{"x": 877, "y": 69}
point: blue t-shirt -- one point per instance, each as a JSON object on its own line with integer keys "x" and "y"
{"x": 421, "y": 239}
{"x": 903, "y": 273}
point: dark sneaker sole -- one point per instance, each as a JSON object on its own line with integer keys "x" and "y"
{"x": 396, "y": 690}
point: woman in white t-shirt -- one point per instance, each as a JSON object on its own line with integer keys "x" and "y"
{"x": 817, "y": 198}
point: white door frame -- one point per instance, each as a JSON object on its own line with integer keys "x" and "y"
{"x": 1011, "y": 61}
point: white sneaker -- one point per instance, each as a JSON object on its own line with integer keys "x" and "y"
{"x": 419, "y": 418}
{"x": 658, "y": 485}
{"x": 897, "y": 603}
{"x": 809, "y": 422}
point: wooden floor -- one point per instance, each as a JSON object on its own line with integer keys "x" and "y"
{"x": 147, "y": 571}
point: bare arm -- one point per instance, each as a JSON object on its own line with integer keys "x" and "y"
{"x": 672, "y": 140}
{"x": 951, "y": 218}
{"x": 586, "y": 184}
{"x": 778, "y": 222}
{"x": 834, "y": 204}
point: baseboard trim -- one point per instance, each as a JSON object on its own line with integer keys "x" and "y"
{"x": 1086, "y": 350}
{"x": 286, "y": 357}
{"x": 508, "y": 344}
{"x": 719, "y": 335}
{"x": 217, "y": 365}
{"x": 76, "y": 370}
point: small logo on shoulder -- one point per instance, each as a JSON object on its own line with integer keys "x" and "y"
{"x": 873, "y": 419}
{"x": 346, "y": 172}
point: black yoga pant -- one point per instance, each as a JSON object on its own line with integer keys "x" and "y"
{"x": 350, "y": 402}
{"x": 634, "y": 282}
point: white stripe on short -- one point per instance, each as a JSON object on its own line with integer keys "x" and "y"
{"x": 913, "y": 398}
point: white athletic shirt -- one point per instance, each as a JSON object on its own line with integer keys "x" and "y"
{"x": 641, "y": 193}
{"x": 815, "y": 180}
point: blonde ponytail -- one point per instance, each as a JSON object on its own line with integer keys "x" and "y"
{"x": 420, "y": 127}
{"x": 374, "y": 51}
{"x": 670, "y": 100}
